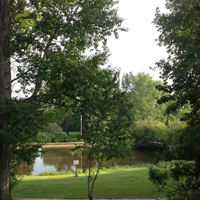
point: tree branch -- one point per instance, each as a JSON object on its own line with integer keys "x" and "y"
{"x": 10, "y": 3}
{"x": 17, "y": 11}
{"x": 38, "y": 81}
{"x": 96, "y": 174}
{"x": 35, "y": 97}
{"x": 15, "y": 79}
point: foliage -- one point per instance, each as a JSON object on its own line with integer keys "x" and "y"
{"x": 152, "y": 128}
{"x": 53, "y": 59}
{"x": 146, "y": 128}
{"x": 14, "y": 178}
{"x": 179, "y": 32}
{"x": 56, "y": 173}
{"x": 48, "y": 41}
{"x": 182, "y": 174}
{"x": 51, "y": 130}
{"x": 24, "y": 123}
{"x": 106, "y": 116}
{"x": 70, "y": 121}
{"x": 152, "y": 119}
{"x": 143, "y": 93}
{"x": 179, "y": 178}
{"x": 62, "y": 137}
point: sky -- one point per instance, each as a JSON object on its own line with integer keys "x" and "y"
{"x": 136, "y": 50}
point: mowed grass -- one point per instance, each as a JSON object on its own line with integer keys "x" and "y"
{"x": 59, "y": 137}
{"x": 126, "y": 182}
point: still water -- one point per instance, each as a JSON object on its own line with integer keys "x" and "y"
{"x": 61, "y": 159}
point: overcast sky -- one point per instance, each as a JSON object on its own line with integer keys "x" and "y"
{"x": 136, "y": 50}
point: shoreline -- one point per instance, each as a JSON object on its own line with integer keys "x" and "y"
{"x": 59, "y": 145}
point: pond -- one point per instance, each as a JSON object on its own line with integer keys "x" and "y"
{"x": 61, "y": 159}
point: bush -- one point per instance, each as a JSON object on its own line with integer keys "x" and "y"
{"x": 150, "y": 128}
{"x": 51, "y": 130}
{"x": 153, "y": 128}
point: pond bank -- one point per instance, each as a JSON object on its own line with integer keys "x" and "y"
{"x": 60, "y": 145}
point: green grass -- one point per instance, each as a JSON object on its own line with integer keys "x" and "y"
{"x": 56, "y": 173}
{"x": 59, "y": 137}
{"x": 126, "y": 182}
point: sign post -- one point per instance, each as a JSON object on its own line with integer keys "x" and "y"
{"x": 76, "y": 162}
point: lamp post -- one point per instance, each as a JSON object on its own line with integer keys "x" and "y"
{"x": 81, "y": 125}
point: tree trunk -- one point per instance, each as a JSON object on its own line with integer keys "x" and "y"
{"x": 5, "y": 92}
{"x": 90, "y": 197}
{"x": 5, "y": 71}
{"x": 4, "y": 174}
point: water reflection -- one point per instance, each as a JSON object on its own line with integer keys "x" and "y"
{"x": 61, "y": 159}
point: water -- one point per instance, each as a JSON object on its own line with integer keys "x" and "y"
{"x": 61, "y": 159}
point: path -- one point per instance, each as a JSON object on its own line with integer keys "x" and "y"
{"x": 86, "y": 199}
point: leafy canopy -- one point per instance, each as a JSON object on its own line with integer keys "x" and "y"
{"x": 179, "y": 32}
{"x": 50, "y": 41}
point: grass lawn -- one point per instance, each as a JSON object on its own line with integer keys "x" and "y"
{"x": 126, "y": 182}
{"x": 60, "y": 137}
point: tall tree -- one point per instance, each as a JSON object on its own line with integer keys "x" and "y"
{"x": 143, "y": 93}
{"x": 179, "y": 32}
{"x": 47, "y": 40}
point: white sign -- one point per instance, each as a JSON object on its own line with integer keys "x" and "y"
{"x": 76, "y": 162}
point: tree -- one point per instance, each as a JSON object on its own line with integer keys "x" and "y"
{"x": 152, "y": 119}
{"x": 51, "y": 130}
{"x": 143, "y": 93}
{"x": 107, "y": 118}
{"x": 47, "y": 41}
{"x": 70, "y": 121}
{"x": 179, "y": 32}
{"x": 149, "y": 128}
